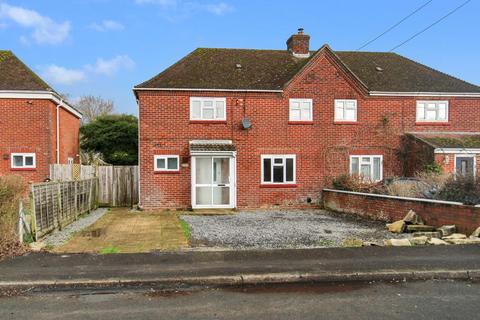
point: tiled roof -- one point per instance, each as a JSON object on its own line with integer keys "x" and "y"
{"x": 15, "y": 75}
{"x": 212, "y": 147}
{"x": 450, "y": 140}
{"x": 247, "y": 69}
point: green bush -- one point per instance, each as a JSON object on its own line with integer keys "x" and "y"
{"x": 434, "y": 168}
{"x": 461, "y": 189}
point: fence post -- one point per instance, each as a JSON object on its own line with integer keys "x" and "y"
{"x": 75, "y": 195}
{"x": 34, "y": 213}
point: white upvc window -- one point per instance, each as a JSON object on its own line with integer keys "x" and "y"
{"x": 70, "y": 161}
{"x": 23, "y": 161}
{"x": 209, "y": 109}
{"x": 166, "y": 163}
{"x": 432, "y": 111}
{"x": 278, "y": 169}
{"x": 301, "y": 110}
{"x": 368, "y": 167}
{"x": 345, "y": 110}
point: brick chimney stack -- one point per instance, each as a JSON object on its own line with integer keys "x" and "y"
{"x": 299, "y": 44}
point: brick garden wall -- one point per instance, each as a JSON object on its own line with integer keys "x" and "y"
{"x": 388, "y": 208}
{"x": 322, "y": 147}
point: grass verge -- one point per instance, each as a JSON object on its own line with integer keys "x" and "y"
{"x": 109, "y": 250}
{"x": 185, "y": 229}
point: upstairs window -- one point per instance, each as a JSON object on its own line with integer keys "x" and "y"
{"x": 301, "y": 110}
{"x": 278, "y": 169}
{"x": 346, "y": 110}
{"x": 23, "y": 161}
{"x": 432, "y": 111}
{"x": 368, "y": 167}
{"x": 166, "y": 163}
{"x": 208, "y": 109}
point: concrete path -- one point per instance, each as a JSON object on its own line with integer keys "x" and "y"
{"x": 239, "y": 267}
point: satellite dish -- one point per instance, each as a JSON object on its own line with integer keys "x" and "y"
{"x": 246, "y": 123}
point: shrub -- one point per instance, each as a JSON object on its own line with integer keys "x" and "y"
{"x": 434, "y": 168}
{"x": 355, "y": 183}
{"x": 12, "y": 190}
{"x": 461, "y": 189}
{"x": 402, "y": 188}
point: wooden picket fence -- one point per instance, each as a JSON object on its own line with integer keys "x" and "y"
{"x": 57, "y": 204}
{"x": 117, "y": 185}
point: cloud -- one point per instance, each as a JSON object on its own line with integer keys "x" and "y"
{"x": 219, "y": 8}
{"x": 44, "y": 29}
{"x": 107, "y": 25}
{"x": 103, "y": 67}
{"x": 61, "y": 75}
{"x": 112, "y": 66}
{"x": 175, "y": 10}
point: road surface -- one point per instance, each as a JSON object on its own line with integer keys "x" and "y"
{"x": 400, "y": 300}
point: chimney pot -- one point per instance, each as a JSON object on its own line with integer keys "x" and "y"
{"x": 299, "y": 44}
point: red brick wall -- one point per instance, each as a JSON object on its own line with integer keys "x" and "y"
{"x": 69, "y": 136}
{"x": 30, "y": 127}
{"x": 322, "y": 148}
{"x": 466, "y": 218}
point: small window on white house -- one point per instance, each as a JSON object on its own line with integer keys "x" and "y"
{"x": 70, "y": 161}
{"x": 432, "y": 111}
{"x": 23, "y": 161}
{"x": 166, "y": 163}
{"x": 210, "y": 109}
{"x": 301, "y": 110}
{"x": 278, "y": 169}
{"x": 368, "y": 167}
{"x": 346, "y": 110}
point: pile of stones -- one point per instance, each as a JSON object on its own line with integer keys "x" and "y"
{"x": 423, "y": 234}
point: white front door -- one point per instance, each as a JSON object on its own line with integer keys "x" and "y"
{"x": 213, "y": 182}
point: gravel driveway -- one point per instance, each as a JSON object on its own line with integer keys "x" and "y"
{"x": 282, "y": 229}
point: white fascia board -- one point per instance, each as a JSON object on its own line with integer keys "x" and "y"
{"x": 425, "y": 94}
{"x": 44, "y": 95}
{"x": 206, "y": 89}
{"x": 457, "y": 150}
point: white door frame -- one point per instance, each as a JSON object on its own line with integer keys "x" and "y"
{"x": 474, "y": 156}
{"x": 233, "y": 179}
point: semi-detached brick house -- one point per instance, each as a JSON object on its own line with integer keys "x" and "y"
{"x": 37, "y": 127}
{"x": 225, "y": 128}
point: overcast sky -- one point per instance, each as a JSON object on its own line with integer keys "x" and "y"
{"x": 105, "y": 47}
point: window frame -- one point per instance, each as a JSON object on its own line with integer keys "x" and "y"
{"x": 166, "y": 157}
{"x": 23, "y": 155}
{"x": 70, "y": 160}
{"x": 436, "y": 102}
{"x": 300, "y": 100}
{"x": 202, "y": 101}
{"x": 371, "y": 165}
{"x": 284, "y": 157}
{"x": 335, "y": 116}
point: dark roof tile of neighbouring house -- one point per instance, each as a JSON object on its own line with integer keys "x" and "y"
{"x": 15, "y": 75}
{"x": 450, "y": 140}
{"x": 247, "y": 69}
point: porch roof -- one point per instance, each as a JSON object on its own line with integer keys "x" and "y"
{"x": 450, "y": 140}
{"x": 212, "y": 146}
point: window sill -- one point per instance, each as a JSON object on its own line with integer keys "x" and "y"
{"x": 345, "y": 122}
{"x": 166, "y": 172}
{"x": 432, "y": 123}
{"x": 301, "y": 122}
{"x": 208, "y": 121}
{"x": 278, "y": 185}
{"x": 23, "y": 169}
